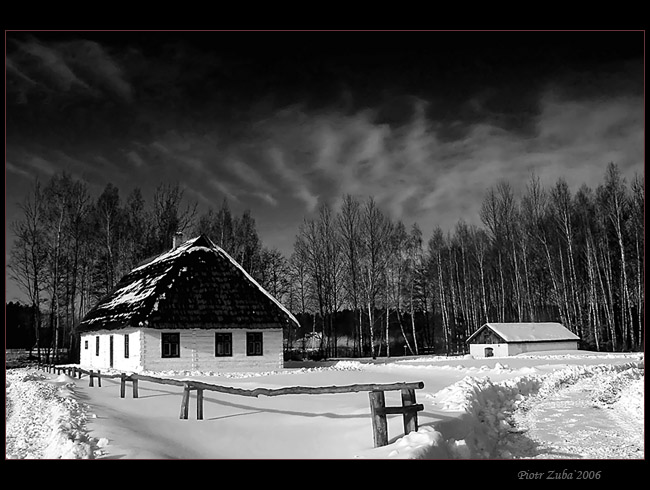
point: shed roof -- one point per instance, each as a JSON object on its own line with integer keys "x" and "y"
{"x": 528, "y": 332}
{"x": 196, "y": 285}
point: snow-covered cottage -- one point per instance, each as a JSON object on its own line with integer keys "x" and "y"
{"x": 510, "y": 339}
{"x": 191, "y": 308}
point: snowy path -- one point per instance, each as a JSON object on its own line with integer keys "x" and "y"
{"x": 28, "y": 420}
{"x": 581, "y": 421}
{"x": 43, "y": 420}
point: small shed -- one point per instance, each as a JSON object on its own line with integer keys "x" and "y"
{"x": 191, "y": 308}
{"x": 510, "y": 339}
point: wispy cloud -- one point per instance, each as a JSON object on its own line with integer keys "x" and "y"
{"x": 75, "y": 66}
{"x": 41, "y": 165}
{"x": 223, "y": 189}
{"x": 50, "y": 64}
{"x": 266, "y": 197}
{"x": 97, "y": 66}
{"x": 18, "y": 171}
{"x": 247, "y": 175}
{"x": 298, "y": 184}
{"x": 135, "y": 158}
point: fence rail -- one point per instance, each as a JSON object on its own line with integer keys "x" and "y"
{"x": 378, "y": 408}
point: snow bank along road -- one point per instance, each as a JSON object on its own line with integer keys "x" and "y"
{"x": 577, "y": 411}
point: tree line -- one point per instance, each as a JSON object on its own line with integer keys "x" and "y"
{"x": 366, "y": 284}
{"x": 548, "y": 255}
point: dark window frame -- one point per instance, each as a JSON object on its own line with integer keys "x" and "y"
{"x": 172, "y": 339}
{"x": 223, "y": 340}
{"x": 126, "y": 346}
{"x": 254, "y": 344}
{"x": 97, "y": 346}
{"x": 85, "y": 345}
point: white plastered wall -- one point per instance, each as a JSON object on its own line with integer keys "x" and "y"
{"x": 498, "y": 350}
{"x": 197, "y": 351}
{"x": 90, "y": 359}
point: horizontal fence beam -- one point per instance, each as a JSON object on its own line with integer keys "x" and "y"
{"x": 299, "y": 390}
{"x": 400, "y": 410}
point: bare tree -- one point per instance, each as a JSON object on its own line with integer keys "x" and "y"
{"x": 375, "y": 233}
{"x": 636, "y": 223}
{"x": 614, "y": 204}
{"x": 57, "y": 196}
{"x": 416, "y": 277}
{"x": 561, "y": 205}
{"x": 168, "y": 216}
{"x": 437, "y": 246}
{"x": 29, "y": 255}
{"x": 348, "y": 220}
{"x": 491, "y": 217}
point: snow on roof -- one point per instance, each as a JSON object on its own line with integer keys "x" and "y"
{"x": 195, "y": 285}
{"x": 171, "y": 254}
{"x": 528, "y": 332}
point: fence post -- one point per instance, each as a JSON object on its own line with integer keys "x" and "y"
{"x": 91, "y": 379}
{"x": 185, "y": 402}
{"x": 410, "y": 417}
{"x": 134, "y": 382}
{"x": 122, "y": 385}
{"x": 199, "y": 404}
{"x": 99, "y": 379}
{"x": 379, "y": 423}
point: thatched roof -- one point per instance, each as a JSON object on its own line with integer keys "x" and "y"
{"x": 528, "y": 332}
{"x": 196, "y": 285}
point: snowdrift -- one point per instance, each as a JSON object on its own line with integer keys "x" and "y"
{"x": 51, "y": 424}
{"x": 484, "y": 409}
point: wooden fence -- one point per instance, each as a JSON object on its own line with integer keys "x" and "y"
{"x": 378, "y": 409}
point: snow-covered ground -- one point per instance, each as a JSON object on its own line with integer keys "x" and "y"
{"x": 569, "y": 404}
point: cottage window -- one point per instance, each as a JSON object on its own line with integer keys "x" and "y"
{"x": 223, "y": 344}
{"x": 86, "y": 344}
{"x": 254, "y": 344}
{"x": 126, "y": 346}
{"x": 96, "y": 346}
{"x": 171, "y": 345}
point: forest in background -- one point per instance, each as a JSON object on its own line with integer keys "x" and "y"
{"x": 360, "y": 283}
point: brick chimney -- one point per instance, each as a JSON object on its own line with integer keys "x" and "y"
{"x": 177, "y": 240}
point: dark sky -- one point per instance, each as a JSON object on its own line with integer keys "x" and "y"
{"x": 280, "y": 122}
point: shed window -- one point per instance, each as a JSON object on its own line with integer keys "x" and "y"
{"x": 254, "y": 344}
{"x": 86, "y": 344}
{"x": 96, "y": 346}
{"x": 223, "y": 344}
{"x": 489, "y": 352}
{"x": 126, "y": 346}
{"x": 171, "y": 345}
